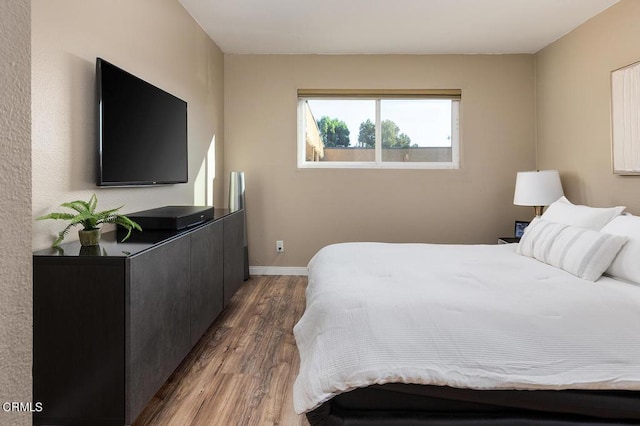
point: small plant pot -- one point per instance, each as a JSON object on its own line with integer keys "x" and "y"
{"x": 90, "y": 237}
{"x": 91, "y": 250}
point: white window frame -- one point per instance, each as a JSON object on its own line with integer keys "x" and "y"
{"x": 305, "y": 95}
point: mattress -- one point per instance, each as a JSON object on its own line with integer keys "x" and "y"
{"x": 469, "y": 317}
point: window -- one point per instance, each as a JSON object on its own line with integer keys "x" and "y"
{"x": 379, "y": 129}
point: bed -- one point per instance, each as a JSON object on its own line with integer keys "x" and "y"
{"x": 469, "y": 334}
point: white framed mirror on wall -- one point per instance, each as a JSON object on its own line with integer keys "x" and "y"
{"x": 625, "y": 119}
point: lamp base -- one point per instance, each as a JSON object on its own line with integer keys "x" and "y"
{"x": 538, "y": 210}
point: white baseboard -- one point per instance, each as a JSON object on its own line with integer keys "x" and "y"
{"x": 278, "y": 270}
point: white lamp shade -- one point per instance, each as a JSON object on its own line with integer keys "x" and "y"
{"x": 539, "y": 188}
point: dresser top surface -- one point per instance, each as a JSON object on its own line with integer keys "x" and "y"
{"x": 111, "y": 245}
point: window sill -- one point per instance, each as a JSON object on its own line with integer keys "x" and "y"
{"x": 370, "y": 165}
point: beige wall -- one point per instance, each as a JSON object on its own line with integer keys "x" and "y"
{"x": 15, "y": 208}
{"x": 573, "y": 101}
{"x": 154, "y": 39}
{"x": 311, "y": 208}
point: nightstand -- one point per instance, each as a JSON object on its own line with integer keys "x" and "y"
{"x": 508, "y": 240}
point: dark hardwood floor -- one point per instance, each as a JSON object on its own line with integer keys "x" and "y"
{"x": 242, "y": 370}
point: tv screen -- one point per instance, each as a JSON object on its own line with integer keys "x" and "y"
{"x": 142, "y": 131}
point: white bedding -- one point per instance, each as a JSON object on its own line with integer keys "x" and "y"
{"x": 478, "y": 317}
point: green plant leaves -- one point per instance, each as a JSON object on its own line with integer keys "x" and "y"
{"x": 88, "y": 218}
{"x": 63, "y": 216}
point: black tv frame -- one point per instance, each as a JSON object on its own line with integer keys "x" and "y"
{"x": 100, "y": 181}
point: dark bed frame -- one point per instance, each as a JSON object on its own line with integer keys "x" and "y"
{"x": 404, "y": 404}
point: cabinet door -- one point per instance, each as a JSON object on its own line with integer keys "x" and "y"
{"x": 233, "y": 254}
{"x": 206, "y": 278}
{"x": 158, "y": 319}
{"x": 78, "y": 339}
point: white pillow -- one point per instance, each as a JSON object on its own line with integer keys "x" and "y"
{"x": 563, "y": 211}
{"x": 582, "y": 252}
{"x": 626, "y": 265}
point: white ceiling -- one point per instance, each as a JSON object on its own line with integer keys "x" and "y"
{"x": 389, "y": 26}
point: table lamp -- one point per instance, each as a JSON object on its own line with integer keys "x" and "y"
{"x": 538, "y": 189}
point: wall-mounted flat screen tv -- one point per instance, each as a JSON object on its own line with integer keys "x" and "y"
{"x": 142, "y": 131}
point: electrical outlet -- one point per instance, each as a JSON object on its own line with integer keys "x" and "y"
{"x": 280, "y": 246}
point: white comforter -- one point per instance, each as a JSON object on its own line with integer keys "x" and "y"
{"x": 477, "y": 317}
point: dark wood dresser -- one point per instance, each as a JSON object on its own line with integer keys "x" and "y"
{"x": 112, "y": 322}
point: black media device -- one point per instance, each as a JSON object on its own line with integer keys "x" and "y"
{"x": 172, "y": 217}
{"x": 142, "y": 131}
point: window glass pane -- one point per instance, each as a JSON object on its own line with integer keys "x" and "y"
{"x": 355, "y": 132}
{"x": 340, "y": 130}
{"x": 416, "y": 130}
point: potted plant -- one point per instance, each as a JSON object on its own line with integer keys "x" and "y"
{"x": 90, "y": 220}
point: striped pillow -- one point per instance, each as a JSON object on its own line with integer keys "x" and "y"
{"x": 582, "y": 252}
